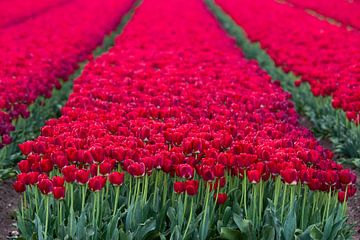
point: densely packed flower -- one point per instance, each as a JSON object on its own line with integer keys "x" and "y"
{"x": 345, "y": 12}
{"x": 16, "y": 11}
{"x": 174, "y": 116}
{"x": 324, "y": 55}
{"x": 36, "y": 53}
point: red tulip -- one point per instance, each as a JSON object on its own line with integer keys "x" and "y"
{"x": 33, "y": 177}
{"x": 185, "y": 171}
{"x": 82, "y": 176}
{"x": 116, "y": 178}
{"x": 19, "y": 186}
{"x": 219, "y": 170}
{"x": 341, "y": 196}
{"x": 345, "y": 176}
{"x": 191, "y": 187}
{"x": 58, "y": 181}
{"x": 24, "y": 166}
{"x": 69, "y": 173}
{"x": 26, "y": 147}
{"x": 254, "y": 176}
{"x": 105, "y": 167}
{"x": 179, "y": 187}
{"x": 221, "y": 198}
{"x": 59, "y": 192}
{"x": 207, "y": 173}
{"x": 45, "y": 186}
{"x": 290, "y": 176}
{"x": 46, "y": 165}
{"x": 137, "y": 169}
{"x": 97, "y": 183}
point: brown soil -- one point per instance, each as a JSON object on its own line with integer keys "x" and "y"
{"x": 9, "y": 201}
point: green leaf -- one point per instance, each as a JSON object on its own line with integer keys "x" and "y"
{"x": 315, "y": 233}
{"x": 152, "y": 235}
{"x": 204, "y": 225}
{"x": 144, "y": 228}
{"x": 290, "y": 224}
{"x": 80, "y": 233}
{"x": 227, "y": 215}
{"x": 39, "y": 227}
{"x": 267, "y": 232}
{"x": 245, "y": 226}
{"x": 175, "y": 234}
{"x": 328, "y": 228}
{"x": 111, "y": 230}
{"x": 231, "y": 234}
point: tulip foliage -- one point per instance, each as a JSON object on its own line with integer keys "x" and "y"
{"x": 173, "y": 134}
{"x": 44, "y": 48}
{"x": 345, "y": 12}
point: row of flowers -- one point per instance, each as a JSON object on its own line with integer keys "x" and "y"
{"x": 324, "y": 55}
{"x": 17, "y": 11}
{"x": 345, "y": 12}
{"x": 40, "y": 51}
{"x": 174, "y": 133}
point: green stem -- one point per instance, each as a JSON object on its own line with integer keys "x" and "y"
{"x": 276, "y": 191}
{"x": 145, "y": 189}
{"x": 261, "y": 199}
{"x": 206, "y": 205}
{"x": 46, "y": 216}
{"x": 165, "y": 191}
{"x": 155, "y": 189}
{"x": 254, "y": 203}
{"x": 83, "y": 196}
{"x": 71, "y": 206}
{"x": 130, "y": 190}
{"x": 117, "y": 191}
{"x": 327, "y": 206}
{"x": 245, "y": 197}
{"x": 98, "y": 207}
{"x": 283, "y": 203}
{"x": 303, "y": 208}
{"x": 183, "y": 213}
{"x": 190, "y": 217}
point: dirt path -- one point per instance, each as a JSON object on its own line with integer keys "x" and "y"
{"x": 8, "y": 204}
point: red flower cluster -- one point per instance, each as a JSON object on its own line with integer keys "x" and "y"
{"x": 184, "y": 101}
{"x": 346, "y": 12}
{"x": 16, "y": 11}
{"x": 324, "y": 55}
{"x": 41, "y": 50}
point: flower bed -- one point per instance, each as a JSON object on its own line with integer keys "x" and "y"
{"x": 17, "y": 11}
{"x": 345, "y": 12}
{"x": 39, "y": 52}
{"x": 324, "y": 55}
{"x": 174, "y": 134}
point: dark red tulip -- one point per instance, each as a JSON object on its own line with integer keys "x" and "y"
{"x": 45, "y": 186}
{"x": 137, "y": 169}
{"x": 59, "y": 192}
{"x": 19, "y": 186}
{"x": 116, "y": 178}
{"x": 97, "y": 183}
{"x": 254, "y": 176}
{"x": 221, "y": 198}
{"x": 179, "y": 187}
{"x": 82, "y": 176}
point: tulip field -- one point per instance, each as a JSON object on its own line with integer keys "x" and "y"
{"x": 181, "y": 120}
